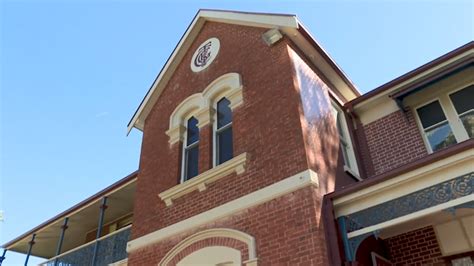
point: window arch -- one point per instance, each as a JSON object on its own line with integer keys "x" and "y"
{"x": 223, "y": 139}
{"x": 201, "y": 104}
{"x": 190, "y": 162}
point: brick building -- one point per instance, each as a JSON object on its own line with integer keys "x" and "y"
{"x": 258, "y": 150}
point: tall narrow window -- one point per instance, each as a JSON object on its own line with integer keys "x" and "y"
{"x": 350, "y": 163}
{"x": 342, "y": 136}
{"x": 343, "y": 140}
{"x": 191, "y": 150}
{"x": 463, "y": 102}
{"x": 223, "y": 137}
{"x": 437, "y": 130}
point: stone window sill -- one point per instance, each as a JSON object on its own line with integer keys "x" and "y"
{"x": 236, "y": 164}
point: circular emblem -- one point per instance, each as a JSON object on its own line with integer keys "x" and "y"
{"x": 205, "y": 54}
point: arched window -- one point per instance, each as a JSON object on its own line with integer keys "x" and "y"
{"x": 191, "y": 150}
{"x": 223, "y": 132}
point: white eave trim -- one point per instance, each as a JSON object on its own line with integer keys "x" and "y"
{"x": 238, "y": 18}
{"x": 405, "y": 184}
{"x": 384, "y": 95}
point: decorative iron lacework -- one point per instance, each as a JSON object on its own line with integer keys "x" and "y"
{"x": 437, "y": 194}
{"x": 111, "y": 249}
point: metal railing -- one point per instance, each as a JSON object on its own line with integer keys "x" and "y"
{"x": 112, "y": 248}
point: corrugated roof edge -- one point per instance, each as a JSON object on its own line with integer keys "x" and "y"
{"x": 460, "y": 50}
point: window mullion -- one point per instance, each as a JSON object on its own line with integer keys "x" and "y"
{"x": 451, "y": 115}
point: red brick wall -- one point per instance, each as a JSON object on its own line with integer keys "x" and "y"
{"x": 418, "y": 247}
{"x": 271, "y": 127}
{"x": 267, "y": 127}
{"x": 288, "y": 231}
{"x": 319, "y": 128}
{"x": 393, "y": 141}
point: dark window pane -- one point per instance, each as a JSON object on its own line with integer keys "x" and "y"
{"x": 224, "y": 145}
{"x": 463, "y": 100}
{"x": 193, "y": 131}
{"x": 192, "y": 159}
{"x": 440, "y": 137}
{"x": 224, "y": 113}
{"x": 431, "y": 114}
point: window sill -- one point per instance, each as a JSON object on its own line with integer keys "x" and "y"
{"x": 352, "y": 173}
{"x": 236, "y": 164}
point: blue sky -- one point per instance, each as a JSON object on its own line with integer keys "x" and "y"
{"x": 72, "y": 75}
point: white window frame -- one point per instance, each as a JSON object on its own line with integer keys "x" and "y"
{"x": 465, "y": 135}
{"x": 352, "y": 168}
{"x": 450, "y": 113}
{"x": 423, "y": 130}
{"x": 215, "y": 148}
{"x": 185, "y": 146}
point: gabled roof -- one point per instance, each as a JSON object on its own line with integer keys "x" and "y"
{"x": 289, "y": 25}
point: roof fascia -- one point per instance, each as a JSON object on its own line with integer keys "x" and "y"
{"x": 421, "y": 73}
{"x": 321, "y": 59}
{"x": 238, "y": 18}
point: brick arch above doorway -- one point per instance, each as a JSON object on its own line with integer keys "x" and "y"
{"x": 231, "y": 238}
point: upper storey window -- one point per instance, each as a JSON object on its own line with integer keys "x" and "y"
{"x": 191, "y": 150}
{"x": 463, "y": 102}
{"x": 223, "y": 132}
{"x": 437, "y": 131}
{"x": 348, "y": 155}
{"x": 211, "y": 110}
{"x": 449, "y": 119}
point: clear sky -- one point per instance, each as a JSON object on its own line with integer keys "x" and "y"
{"x": 73, "y": 73}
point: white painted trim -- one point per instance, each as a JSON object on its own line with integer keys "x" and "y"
{"x": 423, "y": 130}
{"x": 261, "y": 20}
{"x": 210, "y": 233}
{"x": 413, "y": 181}
{"x": 200, "y": 105}
{"x": 375, "y": 100}
{"x": 369, "y": 194}
{"x": 199, "y": 182}
{"x": 287, "y": 24}
{"x": 412, "y": 216}
{"x": 381, "y": 105}
{"x": 285, "y": 186}
{"x": 237, "y": 18}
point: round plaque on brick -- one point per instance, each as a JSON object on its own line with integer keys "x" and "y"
{"x": 205, "y": 54}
